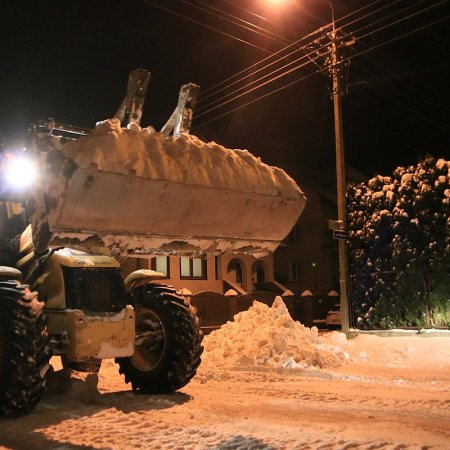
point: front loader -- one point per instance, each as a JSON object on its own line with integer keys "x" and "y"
{"x": 114, "y": 192}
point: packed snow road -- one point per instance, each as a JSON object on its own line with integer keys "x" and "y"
{"x": 314, "y": 409}
{"x": 266, "y": 382}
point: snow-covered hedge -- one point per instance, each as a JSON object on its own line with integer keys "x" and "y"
{"x": 400, "y": 247}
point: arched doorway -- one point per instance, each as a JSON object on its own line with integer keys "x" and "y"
{"x": 259, "y": 272}
{"x": 234, "y": 272}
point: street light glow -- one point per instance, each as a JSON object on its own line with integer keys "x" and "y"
{"x": 275, "y": 2}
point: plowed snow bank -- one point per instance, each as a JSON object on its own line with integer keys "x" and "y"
{"x": 268, "y": 337}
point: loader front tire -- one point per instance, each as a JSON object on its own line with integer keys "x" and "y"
{"x": 24, "y": 351}
{"x": 168, "y": 341}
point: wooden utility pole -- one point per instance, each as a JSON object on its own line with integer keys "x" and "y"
{"x": 335, "y": 71}
{"x": 330, "y": 54}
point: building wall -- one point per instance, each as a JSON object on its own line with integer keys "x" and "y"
{"x": 239, "y": 269}
{"x": 308, "y": 258}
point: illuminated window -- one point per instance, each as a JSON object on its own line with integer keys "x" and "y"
{"x": 161, "y": 264}
{"x": 192, "y": 267}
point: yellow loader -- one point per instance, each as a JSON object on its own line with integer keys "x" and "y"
{"x": 114, "y": 192}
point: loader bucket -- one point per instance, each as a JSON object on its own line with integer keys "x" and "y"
{"x": 137, "y": 191}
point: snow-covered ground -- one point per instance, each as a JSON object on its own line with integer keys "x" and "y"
{"x": 266, "y": 382}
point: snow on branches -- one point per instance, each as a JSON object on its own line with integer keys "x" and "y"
{"x": 400, "y": 247}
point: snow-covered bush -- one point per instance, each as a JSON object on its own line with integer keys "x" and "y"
{"x": 400, "y": 247}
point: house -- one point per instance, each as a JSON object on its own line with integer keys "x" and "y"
{"x": 214, "y": 273}
{"x": 308, "y": 257}
{"x": 306, "y": 260}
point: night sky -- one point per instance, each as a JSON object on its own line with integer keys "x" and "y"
{"x": 70, "y": 60}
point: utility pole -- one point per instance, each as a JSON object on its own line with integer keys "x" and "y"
{"x": 332, "y": 59}
{"x": 335, "y": 68}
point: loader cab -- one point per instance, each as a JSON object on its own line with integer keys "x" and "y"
{"x": 76, "y": 279}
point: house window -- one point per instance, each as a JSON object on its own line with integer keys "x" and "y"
{"x": 295, "y": 271}
{"x": 192, "y": 267}
{"x": 161, "y": 264}
{"x": 294, "y": 236}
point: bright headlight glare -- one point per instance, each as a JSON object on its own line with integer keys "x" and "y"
{"x": 20, "y": 173}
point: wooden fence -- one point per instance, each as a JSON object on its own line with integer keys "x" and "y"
{"x": 215, "y": 309}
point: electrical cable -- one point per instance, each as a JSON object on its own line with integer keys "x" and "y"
{"x": 301, "y": 79}
{"x": 346, "y": 25}
{"x": 249, "y": 68}
{"x": 292, "y": 52}
{"x": 400, "y": 20}
{"x": 398, "y": 98}
{"x": 243, "y": 41}
{"x": 257, "y": 99}
{"x": 430, "y": 103}
{"x": 248, "y": 91}
{"x": 237, "y": 21}
{"x": 215, "y": 93}
{"x": 303, "y": 57}
{"x": 258, "y": 16}
{"x": 329, "y": 25}
{"x": 374, "y": 31}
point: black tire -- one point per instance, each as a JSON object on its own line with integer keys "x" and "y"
{"x": 168, "y": 341}
{"x": 24, "y": 350}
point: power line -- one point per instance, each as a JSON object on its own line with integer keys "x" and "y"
{"x": 346, "y": 25}
{"x": 243, "y": 41}
{"x": 432, "y": 104}
{"x": 237, "y": 21}
{"x": 257, "y": 99}
{"x": 307, "y": 56}
{"x": 400, "y": 20}
{"x": 258, "y": 16}
{"x": 267, "y": 58}
{"x": 408, "y": 33}
{"x": 246, "y": 27}
{"x": 281, "y": 58}
{"x": 292, "y": 44}
{"x": 397, "y": 97}
{"x": 259, "y": 86}
{"x": 345, "y": 59}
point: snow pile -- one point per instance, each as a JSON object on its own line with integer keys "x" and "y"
{"x": 268, "y": 337}
{"x": 185, "y": 159}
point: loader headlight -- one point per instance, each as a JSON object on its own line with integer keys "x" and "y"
{"x": 19, "y": 171}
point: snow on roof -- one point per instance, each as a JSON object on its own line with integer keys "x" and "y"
{"x": 230, "y": 293}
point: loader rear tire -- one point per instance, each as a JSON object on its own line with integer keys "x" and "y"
{"x": 168, "y": 341}
{"x": 24, "y": 351}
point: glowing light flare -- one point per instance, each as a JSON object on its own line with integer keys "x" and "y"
{"x": 278, "y": 2}
{"x": 278, "y": 9}
{"x": 19, "y": 171}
